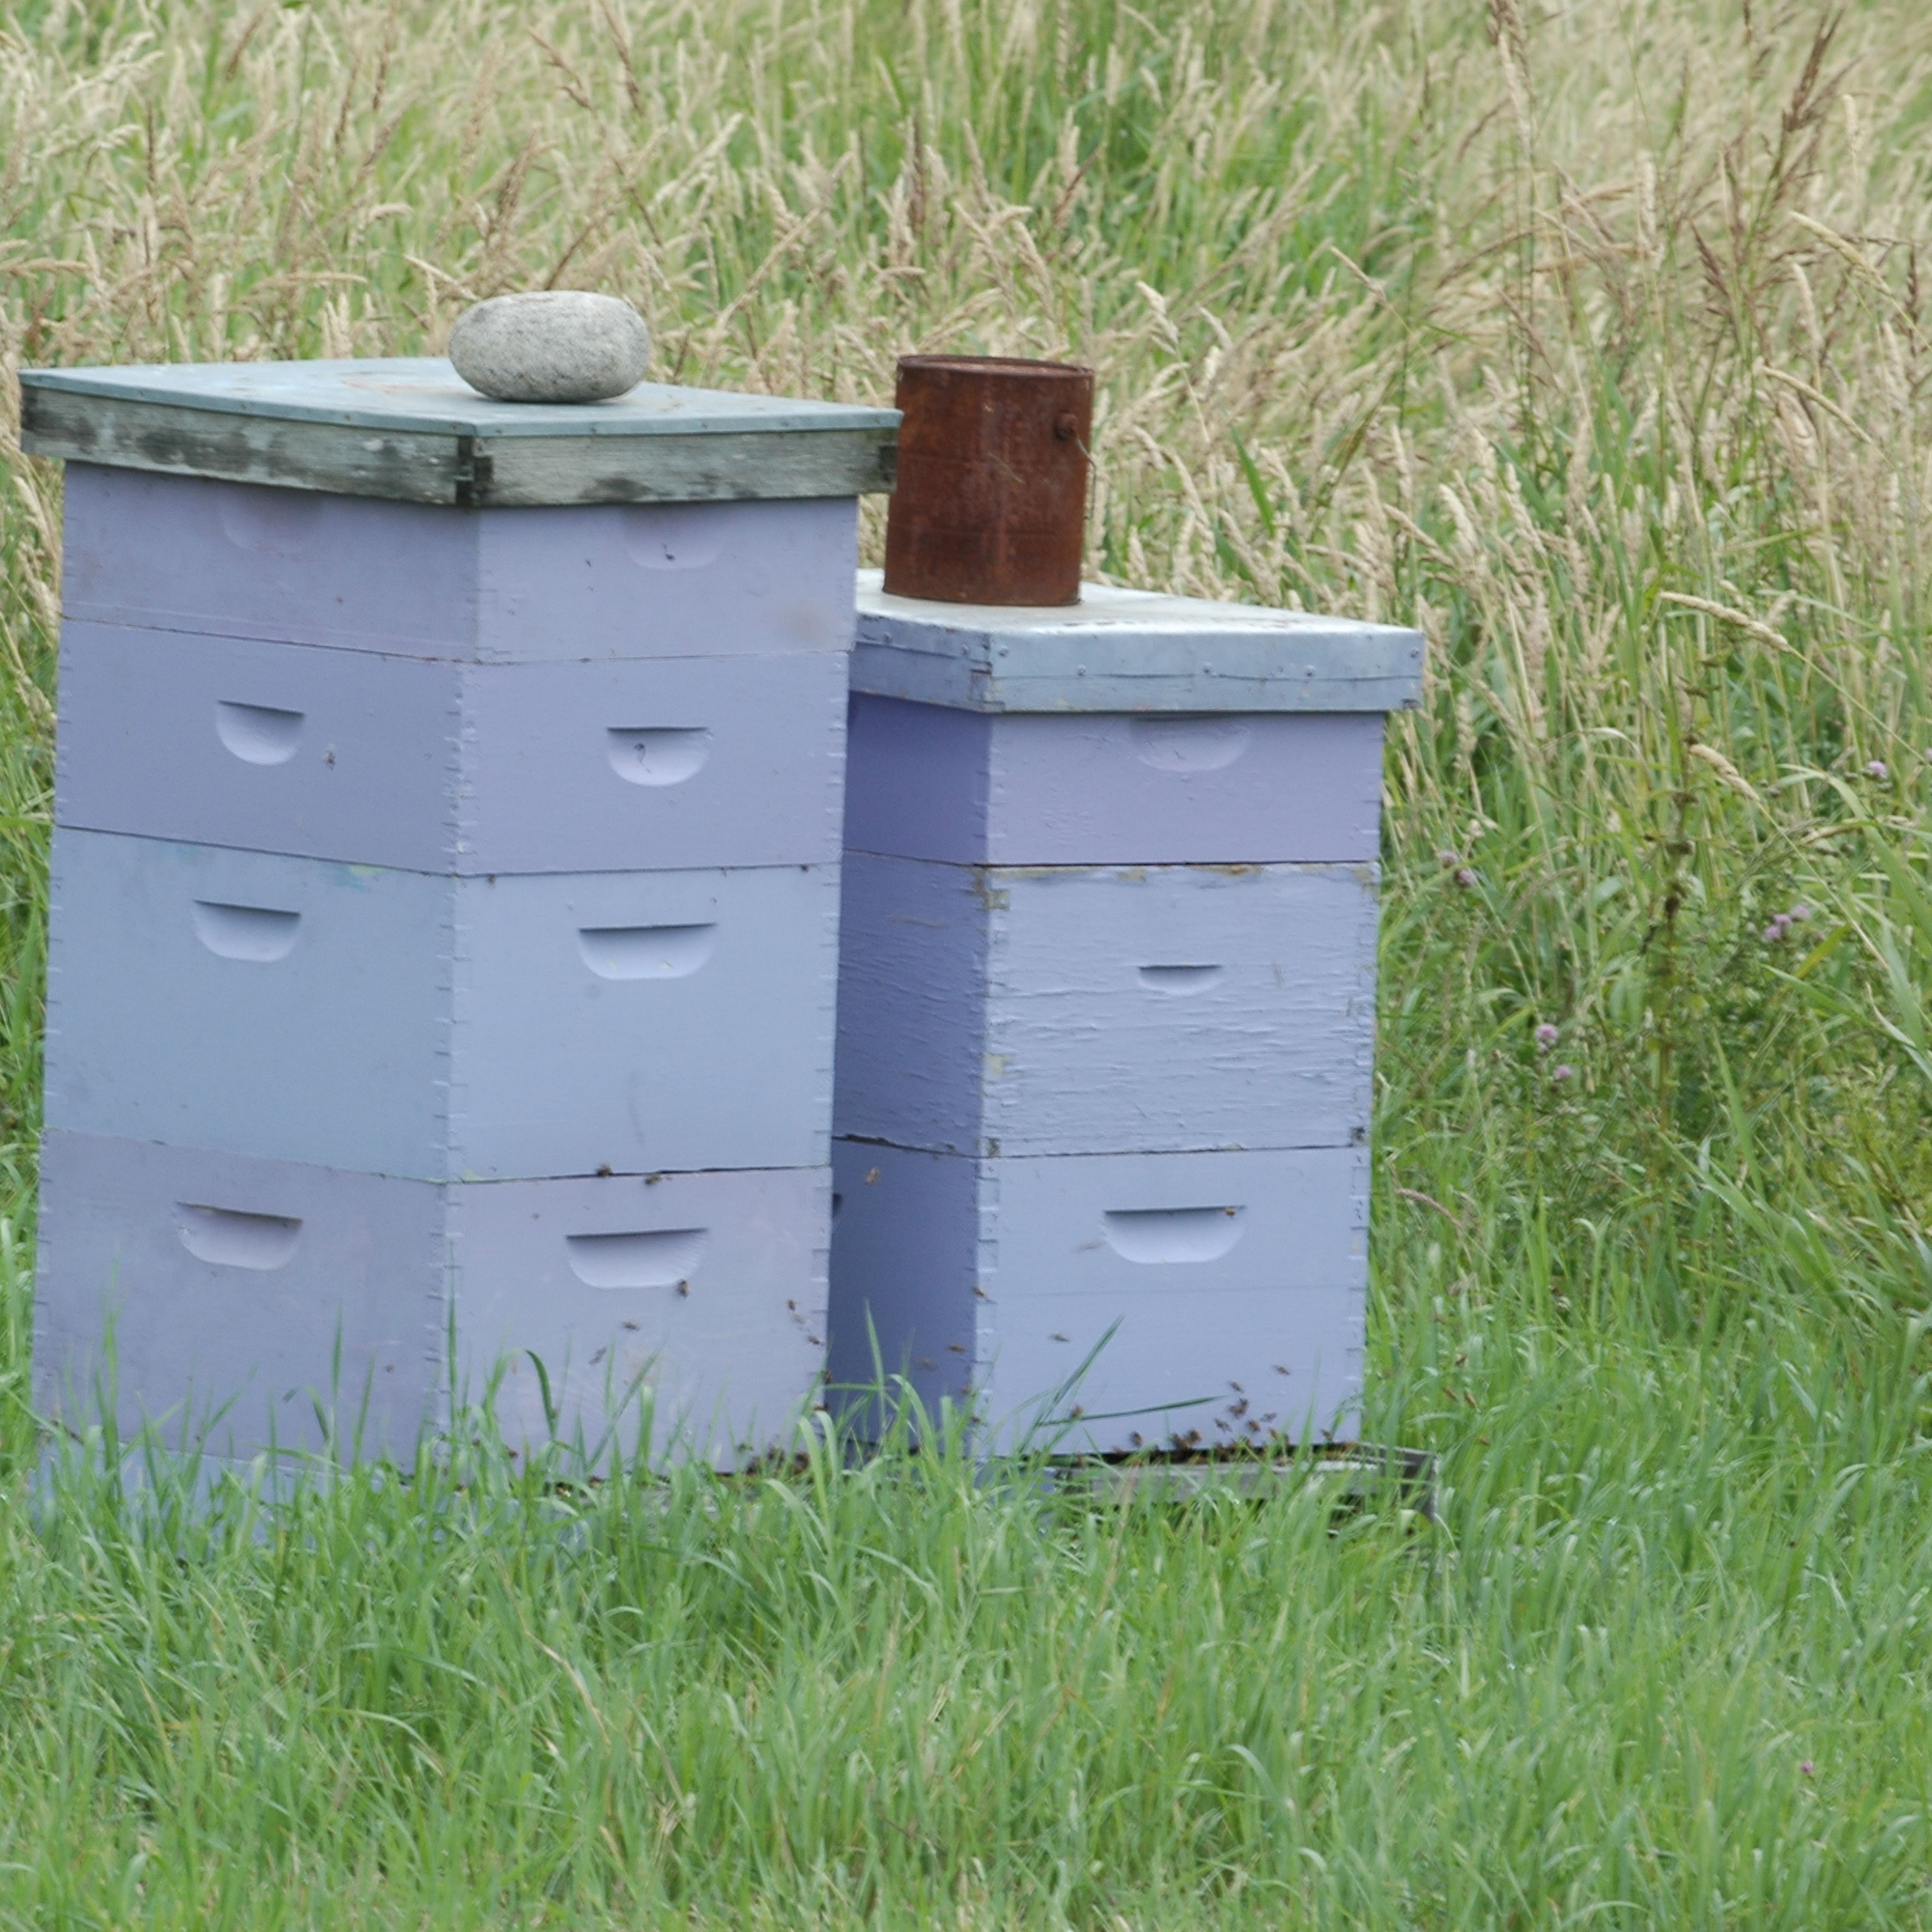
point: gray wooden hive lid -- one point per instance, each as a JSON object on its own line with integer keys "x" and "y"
{"x": 1129, "y": 650}
{"x": 411, "y": 429}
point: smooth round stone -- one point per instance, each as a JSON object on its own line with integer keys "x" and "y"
{"x": 553, "y": 345}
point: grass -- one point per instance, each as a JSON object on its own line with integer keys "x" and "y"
{"x": 1591, "y": 339}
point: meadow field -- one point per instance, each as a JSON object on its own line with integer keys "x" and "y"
{"x": 1594, "y": 339}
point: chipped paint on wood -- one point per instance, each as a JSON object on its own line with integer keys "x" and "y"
{"x": 409, "y": 430}
{"x": 992, "y": 1283}
{"x": 1130, "y": 651}
{"x": 1058, "y": 1010}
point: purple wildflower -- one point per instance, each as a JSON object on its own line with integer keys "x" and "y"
{"x": 1563, "y": 1073}
{"x": 1876, "y": 769}
{"x": 1465, "y": 877}
{"x": 1445, "y": 858}
{"x": 1797, "y": 913}
{"x": 1545, "y": 1036}
{"x": 1806, "y": 1769}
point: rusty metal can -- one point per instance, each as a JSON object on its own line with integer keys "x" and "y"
{"x": 991, "y": 505}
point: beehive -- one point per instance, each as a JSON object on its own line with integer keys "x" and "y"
{"x": 445, "y": 902}
{"x": 1106, "y": 1014}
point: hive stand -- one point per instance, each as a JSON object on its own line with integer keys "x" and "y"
{"x": 444, "y": 904}
{"x": 1106, "y": 1015}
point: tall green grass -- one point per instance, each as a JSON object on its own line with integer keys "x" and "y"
{"x": 1591, "y": 339}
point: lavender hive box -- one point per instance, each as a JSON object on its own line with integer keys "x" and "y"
{"x": 971, "y": 788}
{"x": 653, "y": 764}
{"x": 1106, "y": 1010}
{"x": 386, "y": 506}
{"x": 437, "y": 1028}
{"x": 233, "y": 1304}
{"x": 536, "y": 585}
{"x": 449, "y": 791}
{"x": 1234, "y": 1286}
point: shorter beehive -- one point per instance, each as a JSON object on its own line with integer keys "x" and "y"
{"x": 1106, "y": 1014}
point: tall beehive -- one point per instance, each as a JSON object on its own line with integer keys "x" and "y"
{"x": 1106, "y": 1014}
{"x": 445, "y": 902}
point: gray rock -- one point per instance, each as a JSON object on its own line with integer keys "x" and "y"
{"x": 555, "y": 345}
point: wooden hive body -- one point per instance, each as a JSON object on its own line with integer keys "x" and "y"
{"x": 1106, "y": 1015}
{"x": 445, "y": 901}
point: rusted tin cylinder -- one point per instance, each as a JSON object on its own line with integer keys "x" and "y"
{"x": 990, "y": 505}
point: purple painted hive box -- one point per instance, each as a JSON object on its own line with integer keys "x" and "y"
{"x": 1106, "y": 1012}
{"x": 445, "y": 904}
